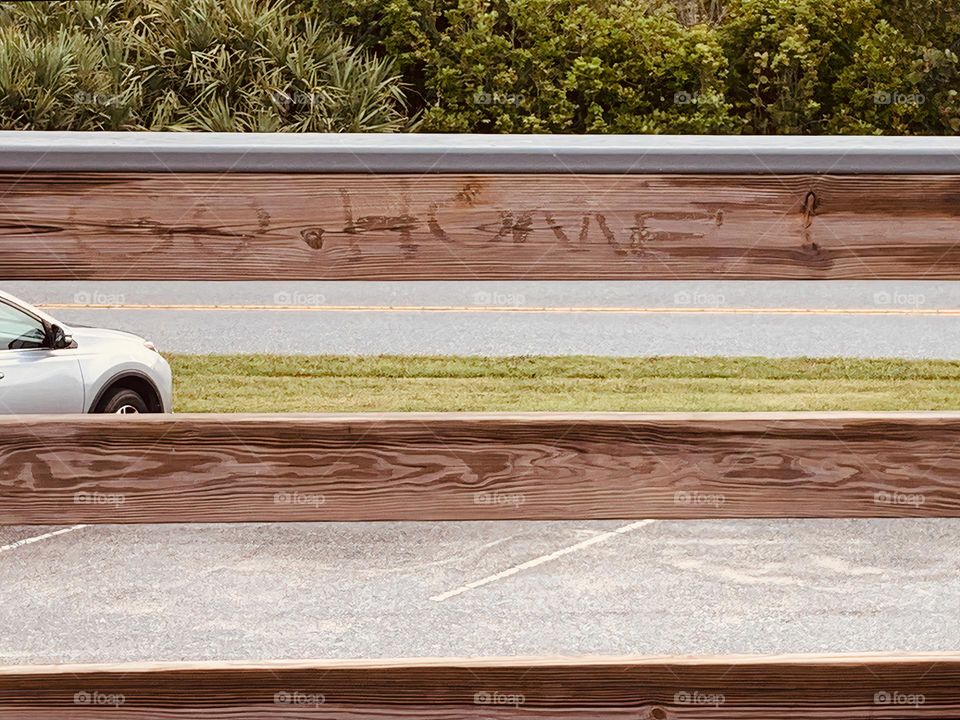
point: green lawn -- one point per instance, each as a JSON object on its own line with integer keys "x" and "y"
{"x": 271, "y": 383}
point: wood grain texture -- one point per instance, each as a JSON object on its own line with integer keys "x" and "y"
{"x": 225, "y": 468}
{"x": 403, "y": 227}
{"x": 658, "y": 688}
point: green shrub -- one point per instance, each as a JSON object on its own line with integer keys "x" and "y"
{"x": 548, "y": 65}
{"x": 754, "y": 66}
{"x": 563, "y": 66}
{"x": 240, "y": 65}
{"x": 895, "y": 87}
{"x": 839, "y": 66}
{"x": 786, "y": 56}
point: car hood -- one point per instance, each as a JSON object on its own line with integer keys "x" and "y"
{"x": 81, "y": 333}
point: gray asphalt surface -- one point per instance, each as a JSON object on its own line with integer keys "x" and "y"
{"x": 253, "y": 592}
{"x": 520, "y": 318}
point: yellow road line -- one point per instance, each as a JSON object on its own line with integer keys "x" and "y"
{"x": 947, "y": 312}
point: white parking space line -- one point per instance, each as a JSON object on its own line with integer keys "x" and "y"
{"x": 602, "y": 537}
{"x": 38, "y": 538}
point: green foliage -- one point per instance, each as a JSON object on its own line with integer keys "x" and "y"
{"x": 841, "y": 66}
{"x": 895, "y": 87}
{"x": 563, "y": 66}
{"x": 753, "y": 66}
{"x": 785, "y": 57}
{"x": 219, "y": 65}
{"x": 548, "y": 65}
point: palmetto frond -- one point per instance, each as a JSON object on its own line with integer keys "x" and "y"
{"x": 240, "y": 65}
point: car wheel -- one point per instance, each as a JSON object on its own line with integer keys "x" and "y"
{"x": 122, "y": 401}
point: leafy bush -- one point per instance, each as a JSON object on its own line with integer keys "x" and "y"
{"x": 571, "y": 66}
{"x": 895, "y": 87}
{"x": 548, "y": 65}
{"x": 839, "y": 66}
{"x": 754, "y": 66}
{"x": 221, "y": 65}
{"x": 785, "y": 57}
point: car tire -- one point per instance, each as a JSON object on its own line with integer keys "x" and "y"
{"x": 122, "y": 401}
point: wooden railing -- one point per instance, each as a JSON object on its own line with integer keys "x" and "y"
{"x": 195, "y": 207}
{"x": 845, "y": 687}
{"x": 537, "y": 466}
{"x": 198, "y": 226}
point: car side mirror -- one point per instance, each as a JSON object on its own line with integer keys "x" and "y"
{"x": 59, "y": 339}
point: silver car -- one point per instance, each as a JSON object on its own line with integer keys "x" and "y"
{"x": 48, "y": 367}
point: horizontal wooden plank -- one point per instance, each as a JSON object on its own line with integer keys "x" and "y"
{"x": 124, "y": 226}
{"x": 658, "y": 688}
{"x": 223, "y": 468}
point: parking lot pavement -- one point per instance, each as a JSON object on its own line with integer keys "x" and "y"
{"x": 369, "y": 590}
{"x": 15, "y": 536}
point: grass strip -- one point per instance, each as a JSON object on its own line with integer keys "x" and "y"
{"x": 274, "y": 383}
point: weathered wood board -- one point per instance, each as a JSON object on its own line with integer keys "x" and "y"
{"x": 241, "y": 468}
{"x": 247, "y": 226}
{"x": 844, "y": 687}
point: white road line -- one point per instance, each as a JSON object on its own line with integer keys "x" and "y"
{"x": 38, "y": 538}
{"x": 540, "y": 560}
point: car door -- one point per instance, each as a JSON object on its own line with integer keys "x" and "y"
{"x": 34, "y": 378}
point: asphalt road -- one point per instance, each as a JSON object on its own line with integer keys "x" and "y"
{"x": 254, "y": 592}
{"x": 775, "y": 319}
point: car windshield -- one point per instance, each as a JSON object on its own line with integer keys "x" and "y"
{"x": 18, "y": 330}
